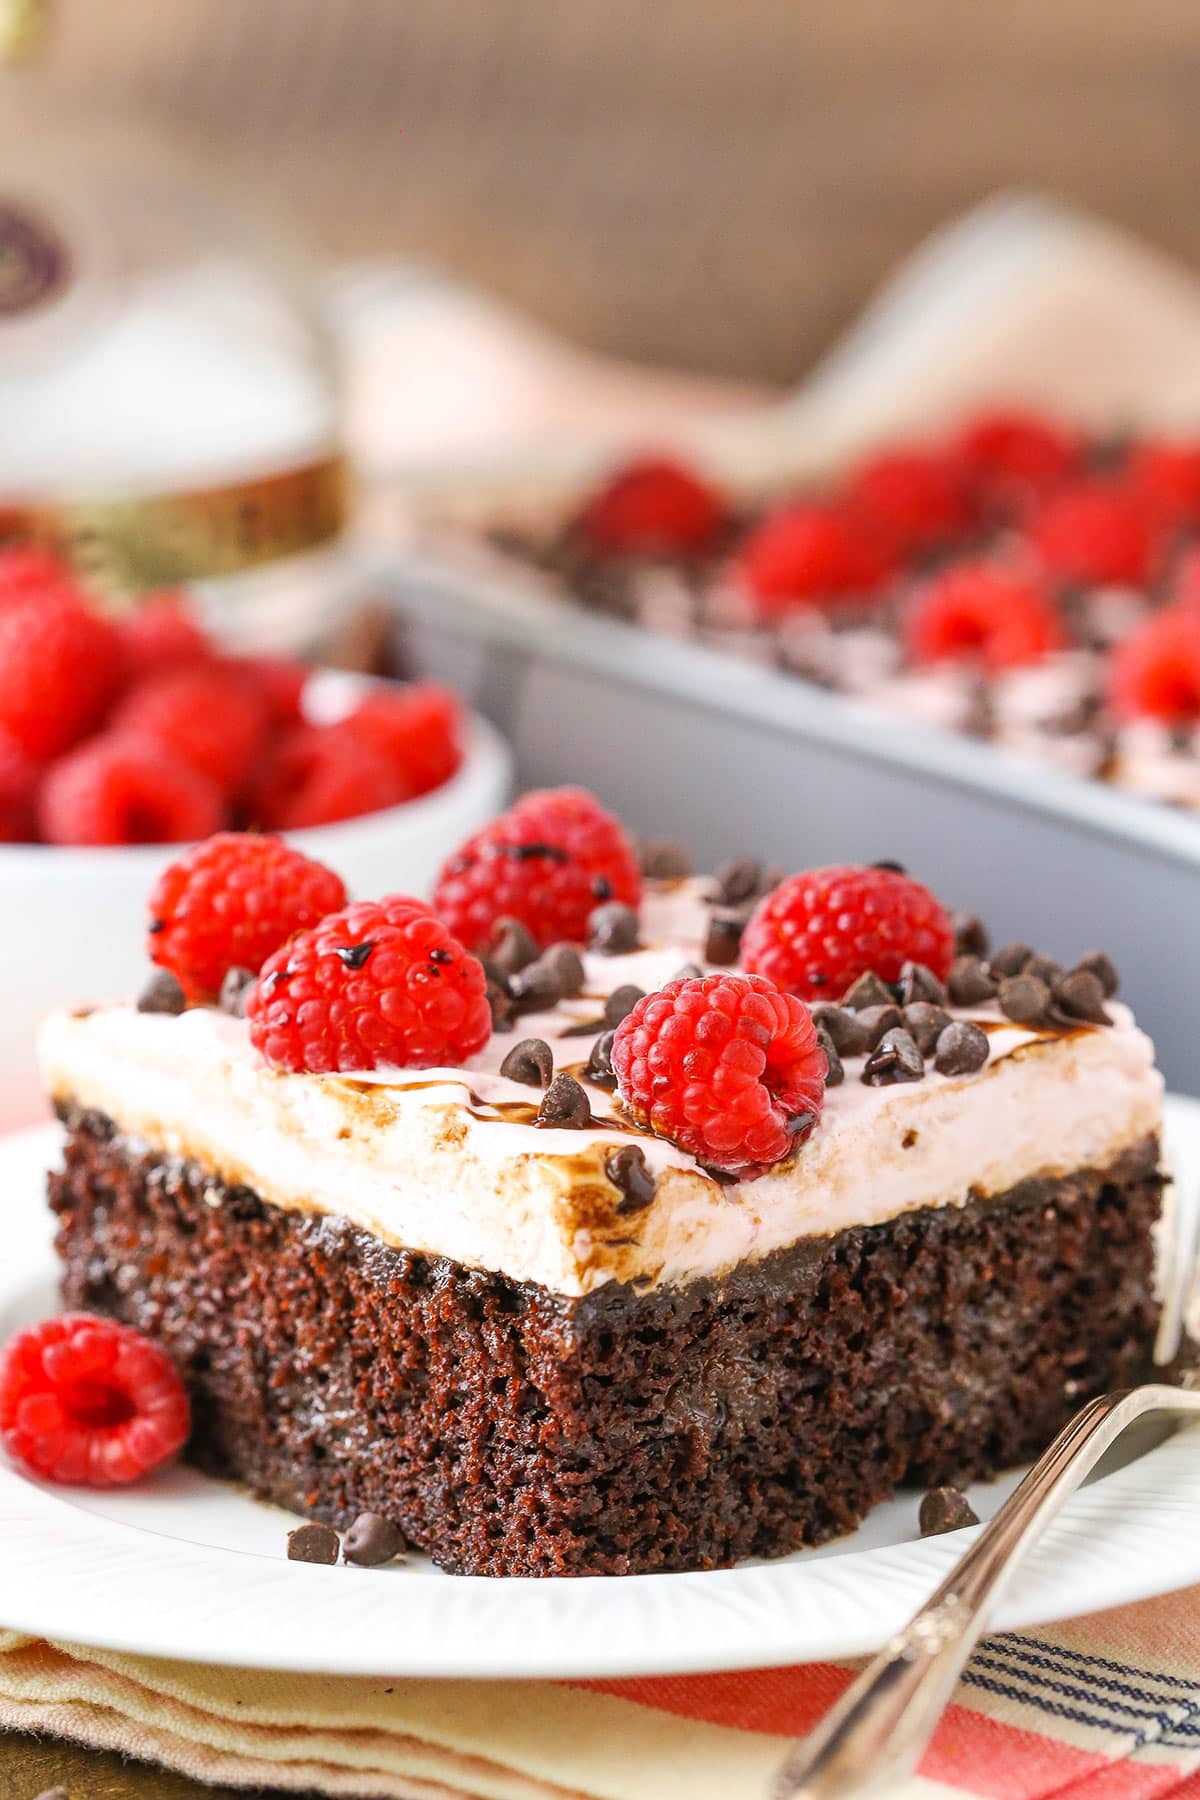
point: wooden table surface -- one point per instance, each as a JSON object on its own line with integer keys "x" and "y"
{"x": 28, "y": 1766}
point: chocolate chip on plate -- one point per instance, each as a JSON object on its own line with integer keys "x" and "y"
{"x": 621, "y": 1002}
{"x": 566, "y": 965}
{"x": 373, "y": 1540}
{"x": 235, "y": 990}
{"x": 723, "y": 940}
{"x": 834, "y": 1072}
{"x": 1025, "y": 999}
{"x": 970, "y": 934}
{"x": 663, "y": 860}
{"x": 926, "y": 1024}
{"x": 969, "y": 983}
{"x": 313, "y": 1543}
{"x": 1103, "y": 968}
{"x": 738, "y": 881}
{"x": 533, "y": 989}
{"x": 613, "y": 929}
{"x": 920, "y": 983}
{"x": 162, "y": 994}
{"x": 1081, "y": 996}
{"x": 846, "y": 1029}
{"x": 513, "y": 948}
{"x": 875, "y": 1020}
{"x": 628, "y": 1170}
{"x": 598, "y": 1069}
{"x": 961, "y": 1049}
{"x": 868, "y": 990}
{"x": 1010, "y": 960}
{"x": 895, "y": 1058}
{"x": 945, "y": 1509}
{"x": 564, "y": 1105}
{"x": 530, "y": 1062}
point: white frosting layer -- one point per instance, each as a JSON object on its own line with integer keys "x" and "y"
{"x": 445, "y": 1160}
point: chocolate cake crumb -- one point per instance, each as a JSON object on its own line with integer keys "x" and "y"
{"x": 945, "y": 1509}
{"x": 564, "y": 1106}
{"x": 1011, "y": 960}
{"x": 598, "y": 1069}
{"x": 533, "y": 989}
{"x": 846, "y": 1029}
{"x": 1081, "y": 996}
{"x": 970, "y": 934}
{"x": 613, "y": 929}
{"x": 926, "y": 1023}
{"x": 961, "y": 1049}
{"x": 868, "y": 990}
{"x": 566, "y": 966}
{"x": 895, "y": 1058}
{"x": 621, "y": 1002}
{"x": 530, "y": 1062}
{"x": 875, "y": 1020}
{"x": 920, "y": 983}
{"x": 969, "y": 983}
{"x": 1025, "y": 999}
{"x": 514, "y": 948}
{"x": 629, "y": 1171}
{"x": 162, "y": 994}
{"x": 1103, "y": 968}
{"x": 373, "y": 1540}
{"x": 834, "y": 1074}
{"x": 663, "y": 860}
{"x": 313, "y": 1543}
{"x": 723, "y": 940}
{"x": 235, "y": 991}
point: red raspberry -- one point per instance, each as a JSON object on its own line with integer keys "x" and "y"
{"x": 807, "y": 555}
{"x": 726, "y": 1067}
{"x": 279, "y": 682}
{"x": 162, "y": 634}
{"x": 1185, "y": 581}
{"x": 122, "y": 790}
{"x": 1095, "y": 533}
{"x": 1009, "y": 455}
{"x": 210, "y": 719}
{"x": 653, "y": 507}
{"x": 19, "y": 777}
{"x": 983, "y": 611}
{"x": 418, "y": 728}
{"x": 548, "y": 862}
{"x": 912, "y": 500}
{"x": 820, "y": 930}
{"x": 380, "y": 983}
{"x": 60, "y": 667}
{"x": 1155, "y": 673}
{"x": 90, "y": 1403}
{"x": 27, "y": 569}
{"x": 318, "y": 774}
{"x": 1166, "y": 478}
{"x": 230, "y": 903}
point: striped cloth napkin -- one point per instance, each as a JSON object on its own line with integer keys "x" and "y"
{"x": 1104, "y": 1708}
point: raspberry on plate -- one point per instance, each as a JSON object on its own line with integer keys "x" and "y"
{"x": 89, "y": 1403}
{"x": 60, "y": 667}
{"x": 160, "y": 634}
{"x": 808, "y": 554}
{"x": 727, "y": 1067}
{"x": 654, "y": 506}
{"x": 912, "y": 500}
{"x": 230, "y": 903}
{"x": 318, "y": 774}
{"x": 420, "y": 728}
{"x": 1009, "y": 455}
{"x": 548, "y": 862}
{"x": 377, "y": 984}
{"x": 983, "y": 611}
{"x": 121, "y": 790}
{"x": 818, "y": 931}
{"x": 1155, "y": 673}
{"x": 1095, "y": 533}
{"x": 19, "y": 777}
{"x": 210, "y": 718}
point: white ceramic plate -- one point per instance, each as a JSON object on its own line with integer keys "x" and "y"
{"x": 191, "y": 1568}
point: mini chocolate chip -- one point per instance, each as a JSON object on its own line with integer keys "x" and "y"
{"x": 961, "y": 1049}
{"x": 513, "y": 947}
{"x": 834, "y": 1072}
{"x": 162, "y": 994}
{"x": 970, "y": 934}
{"x": 1011, "y": 960}
{"x": 621, "y": 1002}
{"x": 613, "y": 929}
{"x": 601, "y": 888}
{"x": 235, "y": 991}
{"x": 875, "y": 1020}
{"x": 663, "y": 860}
{"x": 1103, "y": 968}
{"x": 969, "y": 983}
{"x": 738, "y": 881}
{"x": 500, "y": 1001}
{"x": 155, "y": 926}
{"x": 926, "y": 1023}
{"x": 598, "y": 1069}
{"x": 893, "y": 867}
{"x": 1081, "y": 996}
{"x": 689, "y": 972}
{"x": 1045, "y": 968}
{"x": 566, "y": 965}
{"x": 846, "y": 1029}
{"x": 945, "y": 1509}
{"x": 373, "y": 1540}
{"x": 919, "y": 983}
{"x": 313, "y": 1543}
{"x": 441, "y": 955}
{"x": 723, "y": 941}
{"x": 868, "y": 990}
{"x": 627, "y": 1169}
{"x": 1025, "y": 999}
{"x": 353, "y": 956}
{"x": 533, "y": 989}
{"x": 564, "y": 1105}
{"x": 895, "y": 1058}
{"x": 530, "y": 1062}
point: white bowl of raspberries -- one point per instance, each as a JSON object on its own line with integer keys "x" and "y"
{"x": 121, "y": 738}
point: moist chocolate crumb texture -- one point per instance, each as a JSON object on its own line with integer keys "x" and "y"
{"x": 543, "y": 1341}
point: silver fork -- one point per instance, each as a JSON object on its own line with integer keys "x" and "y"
{"x": 876, "y": 1733}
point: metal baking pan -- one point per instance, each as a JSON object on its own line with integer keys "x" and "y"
{"x": 735, "y": 759}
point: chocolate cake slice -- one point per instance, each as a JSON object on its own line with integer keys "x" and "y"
{"x": 560, "y": 1346}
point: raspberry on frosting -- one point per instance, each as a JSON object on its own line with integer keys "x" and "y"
{"x": 807, "y": 554}
{"x": 653, "y": 506}
{"x": 548, "y": 862}
{"x": 1095, "y": 533}
{"x": 818, "y": 931}
{"x": 230, "y": 902}
{"x": 1010, "y": 455}
{"x": 1155, "y": 673}
{"x": 911, "y": 499}
{"x": 376, "y": 984}
{"x": 727, "y": 1067}
{"x": 984, "y": 612}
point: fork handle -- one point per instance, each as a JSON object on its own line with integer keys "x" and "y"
{"x": 878, "y": 1730}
